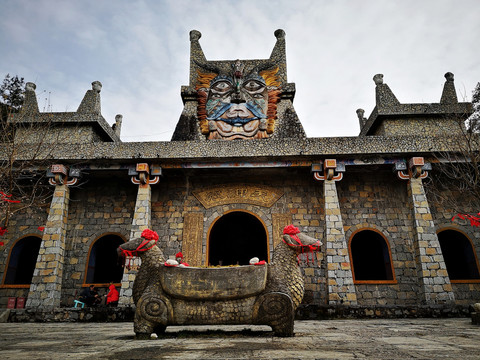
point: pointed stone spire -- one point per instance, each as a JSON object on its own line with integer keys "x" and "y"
{"x": 117, "y": 127}
{"x": 91, "y": 100}
{"x": 361, "y": 119}
{"x": 279, "y": 56}
{"x": 383, "y": 95}
{"x": 30, "y": 104}
{"x": 196, "y": 54}
{"x": 449, "y": 94}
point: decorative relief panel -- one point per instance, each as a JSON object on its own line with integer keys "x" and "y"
{"x": 238, "y": 193}
{"x": 192, "y": 238}
{"x": 279, "y": 221}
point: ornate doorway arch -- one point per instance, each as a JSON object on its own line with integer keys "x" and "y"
{"x": 235, "y": 238}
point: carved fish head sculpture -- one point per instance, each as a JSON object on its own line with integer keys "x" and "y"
{"x": 135, "y": 247}
{"x": 300, "y": 242}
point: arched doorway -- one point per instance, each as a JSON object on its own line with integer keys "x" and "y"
{"x": 459, "y": 256}
{"x": 235, "y": 238}
{"x": 22, "y": 261}
{"x": 103, "y": 264}
{"x": 371, "y": 257}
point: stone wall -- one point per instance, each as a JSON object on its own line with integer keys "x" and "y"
{"x": 418, "y": 125}
{"x": 442, "y": 211}
{"x": 104, "y": 205}
{"x": 21, "y": 225}
{"x": 378, "y": 201}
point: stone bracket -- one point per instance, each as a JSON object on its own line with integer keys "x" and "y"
{"x": 417, "y": 168}
{"x": 142, "y": 172}
{"x": 59, "y": 174}
{"x": 328, "y": 170}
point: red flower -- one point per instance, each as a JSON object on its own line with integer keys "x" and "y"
{"x": 2, "y": 243}
{"x": 290, "y": 230}
{"x": 41, "y": 228}
{"x": 149, "y": 234}
{"x": 179, "y": 255}
{"x": 3, "y": 230}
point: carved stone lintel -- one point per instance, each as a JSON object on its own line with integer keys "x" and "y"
{"x": 238, "y": 193}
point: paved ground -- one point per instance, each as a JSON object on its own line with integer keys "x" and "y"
{"x": 329, "y": 339}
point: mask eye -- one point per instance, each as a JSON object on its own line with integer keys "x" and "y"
{"x": 253, "y": 86}
{"x": 221, "y": 86}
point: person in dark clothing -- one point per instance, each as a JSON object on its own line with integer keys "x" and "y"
{"x": 90, "y": 296}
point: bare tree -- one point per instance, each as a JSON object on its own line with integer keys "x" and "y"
{"x": 23, "y": 152}
{"x": 457, "y": 186}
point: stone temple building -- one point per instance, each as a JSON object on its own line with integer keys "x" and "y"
{"x": 238, "y": 169}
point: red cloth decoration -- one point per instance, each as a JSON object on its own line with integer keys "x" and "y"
{"x": 260, "y": 263}
{"x": 6, "y": 197}
{"x": 41, "y": 228}
{"x": 474, "y": 220}
{"x": 170, "y": 265}
{"x": 290, "y": 230}
{"x": 149, "y": 234}
{"x": 3, "y": 230}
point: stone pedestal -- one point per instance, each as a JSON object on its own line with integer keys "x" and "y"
{"x": 45, "y": 289}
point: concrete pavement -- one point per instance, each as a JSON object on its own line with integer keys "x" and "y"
{"x": 429, "y": 338}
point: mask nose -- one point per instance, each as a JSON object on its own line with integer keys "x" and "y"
{"x": 237, "y": 98}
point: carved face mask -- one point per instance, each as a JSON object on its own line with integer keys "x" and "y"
{"x": 237, "y": 105}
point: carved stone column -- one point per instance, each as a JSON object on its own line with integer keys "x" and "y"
{"x": 46, "y": 286}
{"x": 432, "y": 272}
{"x": 341, "y": 289}
{"x": 141, "y": 221}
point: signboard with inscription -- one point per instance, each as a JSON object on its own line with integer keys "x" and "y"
{"x": 260, "y": 195}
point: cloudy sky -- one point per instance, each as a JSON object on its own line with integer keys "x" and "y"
{"x": 139, "y": 50}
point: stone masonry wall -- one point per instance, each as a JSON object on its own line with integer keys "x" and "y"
{"x": 465, "y": 293}
{"x": 22, "y": 224}
{"x": 379, "y": 201}
{"x": 395, "y": 127}
{"x": 104, "y": 205}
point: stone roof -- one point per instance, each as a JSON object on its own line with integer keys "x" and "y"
{"x": 388, "y": 106}
{"x": 88, "y": 113}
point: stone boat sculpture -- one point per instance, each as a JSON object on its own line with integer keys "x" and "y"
{"x": 266, "y": 294}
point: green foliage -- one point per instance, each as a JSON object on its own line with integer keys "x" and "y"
{"x": 12, "y": 91}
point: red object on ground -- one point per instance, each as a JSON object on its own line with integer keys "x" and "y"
{"x": 20, "y": 303}
{"x": 11, "y": 303}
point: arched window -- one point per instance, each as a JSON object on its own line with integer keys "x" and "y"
{"x": 22, "y": 261}
{"x": 235, "y": 238}
{"x": 459, "y": 255}
{"x": 370, "y": 257}
{"x": 103, "y": 262}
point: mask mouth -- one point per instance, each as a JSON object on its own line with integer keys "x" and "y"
{"x": 251, "y": 107}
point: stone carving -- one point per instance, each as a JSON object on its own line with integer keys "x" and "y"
{"x": 240, "y": 103}
{"x": 265, "y": 294}
{"x": 238, "y": 193}
{"x": 97, "y": 86}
